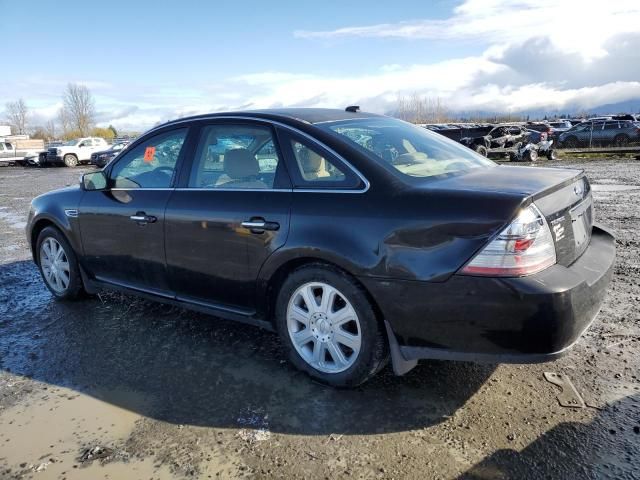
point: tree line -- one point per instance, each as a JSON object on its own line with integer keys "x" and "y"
{"x": 76, "y": 118}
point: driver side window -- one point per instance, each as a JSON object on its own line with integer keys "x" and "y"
{"x": 151, "y": 164}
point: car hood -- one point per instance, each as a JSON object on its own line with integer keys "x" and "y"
{"x": 507, "y": 180}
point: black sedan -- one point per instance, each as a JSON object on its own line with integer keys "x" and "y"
{"x": 356, "y": 237}
{"x": 101, "y": 158}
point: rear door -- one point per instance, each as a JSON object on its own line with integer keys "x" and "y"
{"x": 122, "y": 228}
{"x": 230, "y": 213}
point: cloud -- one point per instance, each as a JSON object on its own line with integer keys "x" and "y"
{"x": 528, "y": 55}
{"x": 571, "y": 25}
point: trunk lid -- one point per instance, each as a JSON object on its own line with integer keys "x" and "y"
{"x": 563, "y": 196}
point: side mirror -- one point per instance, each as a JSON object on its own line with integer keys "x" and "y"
{"x": 93, "y": 181}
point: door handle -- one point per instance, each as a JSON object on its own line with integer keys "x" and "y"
{"x": 259, "y": 225}
{"x": 142, "y": 217}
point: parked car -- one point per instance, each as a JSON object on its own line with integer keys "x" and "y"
{"x": 76, "y": 151}
{"x": 371, "y": 238}
{"x": 501, "y": 140}
{"x": 617, "y": 133}
{"x": 10, "y": 155}
{"x": 102, "y": 157}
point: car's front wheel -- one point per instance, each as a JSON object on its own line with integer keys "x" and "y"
{"x": 58, "y": 265}
{"x": 329, "y": 327}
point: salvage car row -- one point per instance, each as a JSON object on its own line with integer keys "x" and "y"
{"x": 526, "y": 141}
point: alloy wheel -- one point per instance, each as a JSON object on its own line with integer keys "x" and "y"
{"x": 324, "y": 327}
{"x": 55, "y": 265}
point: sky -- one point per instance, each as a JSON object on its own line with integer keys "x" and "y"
{"x": 148, "y": 62}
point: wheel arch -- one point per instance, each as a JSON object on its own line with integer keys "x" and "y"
{"x": 269, "y": 286}
{"x": 45, "y": 221}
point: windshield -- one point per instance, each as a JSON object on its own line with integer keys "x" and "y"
{"x": 409, "y": 149}
{"x": 70, "y": 143}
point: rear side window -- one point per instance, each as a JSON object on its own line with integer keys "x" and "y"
{"x": 314, "y": 167}
{"x": 151, "y": 164}
{"x": 611, "y": 126}
{"x": 236, "y": 157}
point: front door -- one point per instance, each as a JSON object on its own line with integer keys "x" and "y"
{"x": 230, "y": 215}
{"x": 122, "y": 228}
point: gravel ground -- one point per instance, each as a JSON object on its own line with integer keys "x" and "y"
{"x": 117, "y": 387}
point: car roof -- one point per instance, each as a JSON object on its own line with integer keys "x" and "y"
{"x": 285, "y": 115}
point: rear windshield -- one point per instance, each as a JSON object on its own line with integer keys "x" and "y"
{"x": 409, "y": 149}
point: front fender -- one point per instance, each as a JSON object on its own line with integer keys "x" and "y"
{"x": 58, "y": 208}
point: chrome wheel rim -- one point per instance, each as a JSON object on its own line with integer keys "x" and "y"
{"x": 55, "y": 265}
{"x": 324, "y": 327}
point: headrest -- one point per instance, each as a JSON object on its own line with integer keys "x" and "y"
{"x": 312, "y": 162}
{"x": 239, "y": 163}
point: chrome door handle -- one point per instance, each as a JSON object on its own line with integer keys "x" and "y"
{"x": 259, "y": 225}
{"x": 143, "y": 218}
{"x": 254, "y": 224}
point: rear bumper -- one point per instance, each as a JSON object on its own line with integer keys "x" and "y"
{"x": 505, "y": 320}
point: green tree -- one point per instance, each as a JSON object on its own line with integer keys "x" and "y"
{"x": 113, "y": 129}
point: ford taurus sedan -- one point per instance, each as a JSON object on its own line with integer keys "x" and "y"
{"x": 357, "y": 237}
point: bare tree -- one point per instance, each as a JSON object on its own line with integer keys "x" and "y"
{"x": 79, "y": 108}
{"x": 421, "y": 109}
{"x": 63, "y": 120}
{"x": 17, "y": 115}
{"x": 50, "y": 129}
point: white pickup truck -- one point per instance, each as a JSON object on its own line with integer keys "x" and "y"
{"x": 10, "y": 155}
{"x": 76, "y": 151}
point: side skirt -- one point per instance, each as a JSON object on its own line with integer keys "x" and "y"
{"x": 93, "y": 286}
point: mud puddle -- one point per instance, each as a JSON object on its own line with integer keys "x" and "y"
{"x": 46, "y": 435}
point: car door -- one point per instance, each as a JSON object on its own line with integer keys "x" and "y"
{"x": 122, "y": 228}
{"x": 229, "y": 215}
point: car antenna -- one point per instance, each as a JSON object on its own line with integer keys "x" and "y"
{"x": 352, "y": 108}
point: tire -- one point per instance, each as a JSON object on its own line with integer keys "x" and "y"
{"x": 70, "y": 160}
{"x": 570, "y": 142}
{"x": 552, "y": 155}
{"x": 530, "y": 156}
{"x": 334, "y": 363}
{"x": 621, "y": 140}
{"x": 482, "y": 150}
{"x": 72, "y": 289}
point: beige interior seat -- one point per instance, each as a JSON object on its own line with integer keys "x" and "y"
{"x": 313, "y": 166}
{"x": 241, "y": 170}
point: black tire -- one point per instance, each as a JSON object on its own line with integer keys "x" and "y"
{"x": 482, "y": 150}
{"x": 621, "y": 140}
{"x": 530, "y": 156}
{"x": 70, "y": 160}
{"x": 570, "y": 142}
{"x": 75, "y": 288}
{"x": 373, "y": 352}
{"x": 552, "y": 155}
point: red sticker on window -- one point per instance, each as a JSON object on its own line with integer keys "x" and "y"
{"x": 149, "y": 153}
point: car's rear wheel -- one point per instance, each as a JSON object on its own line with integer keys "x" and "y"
{"x": 621, "y": 141}
{"x": 482, "y": 150}
{"x": 329, "y": 327}
{"x": 70, "y": 160}
{"x": 570, "y": 142}
{"x": 58, "y": 265}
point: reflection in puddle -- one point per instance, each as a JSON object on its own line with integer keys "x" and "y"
{"x": 613, "y": 187}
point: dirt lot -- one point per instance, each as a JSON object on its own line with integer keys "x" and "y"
{"x": 116, "y": 387}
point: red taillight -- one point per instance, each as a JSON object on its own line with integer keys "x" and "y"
{"x": 522, "y": 248}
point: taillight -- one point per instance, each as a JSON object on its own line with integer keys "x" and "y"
{"x": 523, "y": 248}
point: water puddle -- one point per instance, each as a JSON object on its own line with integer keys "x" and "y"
{"x": 45, "y": 436}
{"x": 613, "y": 187}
